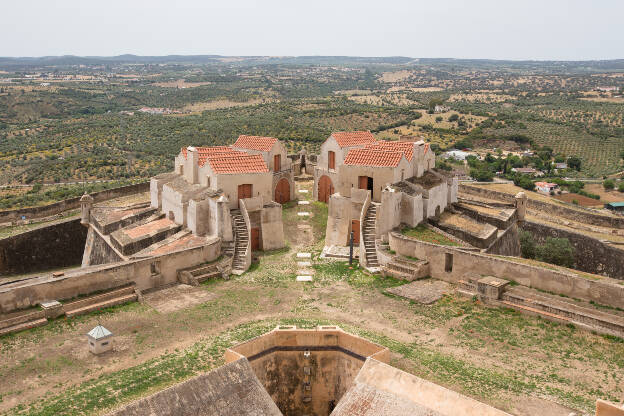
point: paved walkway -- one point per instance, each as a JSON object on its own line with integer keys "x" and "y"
{"x": 305, "y": 272}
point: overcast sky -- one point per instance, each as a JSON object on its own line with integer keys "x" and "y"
{"x": 496, "y": 29}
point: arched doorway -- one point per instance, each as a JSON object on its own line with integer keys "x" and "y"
{"x": 325, "y": 188}
{"x": 282, "y": 191}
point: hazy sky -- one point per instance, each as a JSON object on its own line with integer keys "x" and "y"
{"x": 497, "y": 29}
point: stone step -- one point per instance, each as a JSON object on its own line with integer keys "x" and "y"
{"x": 304, "y": 255}
{"x": 207, "y": 276}
{"x": 101, "y": 297}
{"x": 304, "y": 278}
{"x": 105, "y": 304}
{"x": 24, "y": 325}
{"x": 401, "y": 268}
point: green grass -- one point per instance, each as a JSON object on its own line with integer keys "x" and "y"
{"x": 422, "y": 233}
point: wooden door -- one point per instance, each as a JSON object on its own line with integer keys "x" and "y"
{"x": 325, "y": 189}
{"x": 255, "y": 239}
{"x": 282, "y": 191}
{"x": 363, "y": 182}
{"x": 244, "y": 191}
{"x": 355, "y": 227}
{"x": 331, "y": 160}
{"x": 277, "y": 163}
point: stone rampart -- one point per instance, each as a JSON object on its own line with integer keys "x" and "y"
{"x": 507, "y": 244}
{"x": 72, "y": 203}
{"x": 453, "y": 264}
{"x": 579, "y": 215}
{"x": 591, "y": 255}
{"x": 144, "y": 273}
{"x": 54, "y": 246}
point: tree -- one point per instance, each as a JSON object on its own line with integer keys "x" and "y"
{"x": 453, "y": 117}
{"x": 481, "y": 174}
{"x": 527, "y": 245}
{"x": 557, "y": 251}
{"x": 574, "y": 162}
{"x": 608, "y": 184}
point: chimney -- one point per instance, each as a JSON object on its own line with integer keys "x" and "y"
{"x": 192, "y": 165}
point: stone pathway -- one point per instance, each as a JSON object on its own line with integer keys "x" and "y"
{"x": 305, "y": 272}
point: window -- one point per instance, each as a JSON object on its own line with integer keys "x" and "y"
{"x": 155, "y": 268}
{"x": 402, "y": 174}
{"x": 105, "y": 343}
{"x": 90, "y": 343}
{"x": 331, "y": 160}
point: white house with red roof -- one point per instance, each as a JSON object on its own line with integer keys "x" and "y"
{"x": 372, "y": 186}
{"x": 229, "y": 192}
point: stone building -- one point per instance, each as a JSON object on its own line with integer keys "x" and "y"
{"x": 372, "y": 186}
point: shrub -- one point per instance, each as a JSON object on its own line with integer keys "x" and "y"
{"x": 608, "y": 184}
{"x": 453, "y": 117}
{"x": 527, "y": 245}
{"x": 481, "y": 174}
{"x": 557, "y": 251}
{"x": 621, "y": 186}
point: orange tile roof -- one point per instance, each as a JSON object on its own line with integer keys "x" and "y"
{"x": 406, "y": 147}
{"x": 237, "y": 163}
{"x": 373, "y": 157}
{"x": 353, "y": 138}
{"x": 264, "y": 144}
{"x": 204, "y": 152}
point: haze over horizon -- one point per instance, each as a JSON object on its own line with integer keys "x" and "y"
{"x": 480, "y": 29}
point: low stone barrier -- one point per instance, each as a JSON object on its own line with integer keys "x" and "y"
{"x": 452, "y": 264}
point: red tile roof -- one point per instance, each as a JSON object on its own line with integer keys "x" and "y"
{"x": 237, "y": 163}
{"x": 373, "y": 157}
{"x": 406, "y": 147}
{"x": 204, "y": 152}
{"x": 353, "y": 138}
{"x": 264, "y": 144}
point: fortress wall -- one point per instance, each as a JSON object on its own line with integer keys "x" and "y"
{"x": 72, "y": 203}
{"x": 97, "y": 251}
{"x": 462, "y": 263}
{"x": 54, "y": 246}
{"x": 591, "y": 255}
{"x": 556, "y": 209}
{"x": 508, "y": 244}
{"x": 105, "y": 277}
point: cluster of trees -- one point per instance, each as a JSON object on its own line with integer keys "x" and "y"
{"x": 557, "y": 251}
{"x": 610, "y": 184}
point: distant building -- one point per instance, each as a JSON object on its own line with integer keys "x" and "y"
{"x": 607, "y": 89}
{"x": 615, "y": 206}
{"x": 440, "y": 109}
{"x": 528, "y": 153}
{"x": 456, "y": 154}
{"x": 561, "y": 165}
{"x": 528, "y": 171}
{"x": 546, "y": 187}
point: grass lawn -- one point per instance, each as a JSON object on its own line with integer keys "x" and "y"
{"x": 422, "y": 233}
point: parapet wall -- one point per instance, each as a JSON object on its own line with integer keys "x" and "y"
{"x": 556, "y": 209}
{"x": 453, "y": 264}
{"x": 72, "y": 203}
{"x": 54, "y": 246}
{"x": 145, "y": 274}
{"x": 591, "y": 255}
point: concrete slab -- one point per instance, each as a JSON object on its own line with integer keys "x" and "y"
{"x": 422, "y": 291}
{"x": 304, "y": 278}
{"x": 304, "y": 202}
{"x": 304, "y": 255}
{"x": 303, "y": 191}
{"x": 303, "y": 214}
{"x": 304, "y": 264}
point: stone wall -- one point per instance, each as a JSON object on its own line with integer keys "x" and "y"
{"x": 508, "y": 244}
{"x": 72, "y": 203}
{"x": 84, "y": 281}
{"x": 97, "y": 250}
{"x": 453, "y": 264}
{"x": 591, "y": 255}
{"x": 579, "y": 215}
{"x": 49, "y": 247}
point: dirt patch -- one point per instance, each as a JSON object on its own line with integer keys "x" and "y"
{"x": 580, "y": 200}
{"x": 422, "y": 291}
{"x": 606, "y": 196}
{"x": 180, "y": 83}
{"x": 395, "y": 76}
{"x": 217, "y": 104}
{"x": 177, "y": 297}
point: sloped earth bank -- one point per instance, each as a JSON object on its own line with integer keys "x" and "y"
{"x": 518, "y": 363}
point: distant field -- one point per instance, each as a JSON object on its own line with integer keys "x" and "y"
{"x": 606, "y": 196}
{"x": 580, "y": 199}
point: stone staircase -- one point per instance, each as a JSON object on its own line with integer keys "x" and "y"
{"x": 406, "y": 269}
{"x": 241, "y": 238}
{"x": 22, "y": 321}
{"x": 102, "y": 300}
{"x": 198, "y": 274}
{"x": 369, "y": 236}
